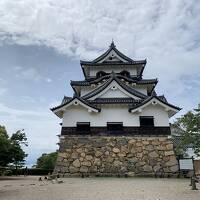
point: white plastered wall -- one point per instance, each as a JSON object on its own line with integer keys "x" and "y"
{"x": 114, "y": 113}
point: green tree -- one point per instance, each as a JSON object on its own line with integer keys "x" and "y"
{"x": 47, "y": 161}
{"x": 11, "y": 151}
{"x": 188, "y": 128}
{"x": 5, "y": 147}
{"x": 18, "y": 139}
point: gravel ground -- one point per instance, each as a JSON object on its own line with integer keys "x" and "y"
{"x": 29, "y": 188}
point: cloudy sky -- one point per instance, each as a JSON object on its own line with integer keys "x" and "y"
{"x": 42, "y": 41}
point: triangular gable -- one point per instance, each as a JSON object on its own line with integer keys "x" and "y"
{"x": 76, "y": 101}
{"x": 114, "y": 53}
{"x": 114, "y": 90}
{"x": 122, "y": 86}
{"x": 154, "y": 100}
{"x": 112, "y": 57}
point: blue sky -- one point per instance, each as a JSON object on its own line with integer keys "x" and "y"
{"x": 42, "y": 41}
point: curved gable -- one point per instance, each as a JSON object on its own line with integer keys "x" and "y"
{"x": 76, "y": 101}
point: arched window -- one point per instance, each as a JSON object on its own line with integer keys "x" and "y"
{"x": 100, "y": 74}
{"x": 125, "y": 73}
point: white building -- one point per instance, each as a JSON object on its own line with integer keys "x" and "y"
{"x": 114, "y": 99}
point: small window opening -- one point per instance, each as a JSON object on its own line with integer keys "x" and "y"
{"x": 147, "y": 121}
{"x": 115, "y": 126}
{"x": 83, "y": 127}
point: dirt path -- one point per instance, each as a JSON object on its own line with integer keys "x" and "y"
{"x": 29, "y": 188}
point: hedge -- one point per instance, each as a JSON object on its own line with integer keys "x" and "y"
{"x": 31, "y": 171}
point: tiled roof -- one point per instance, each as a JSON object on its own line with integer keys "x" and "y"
{"x": 138, "y": 62}
{"x": 124, "y": 86}
{"x": 131, "y": 80}
{"x": 66, "y": 101}
{"x": 151, "y": 97}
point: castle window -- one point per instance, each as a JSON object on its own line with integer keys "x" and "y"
{"x": 115, "y": 126}
{"x": 146, "y": 121}
{"x": 83, "y": 127}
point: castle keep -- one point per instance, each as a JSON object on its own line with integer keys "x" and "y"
{"x": 115, "y": 124}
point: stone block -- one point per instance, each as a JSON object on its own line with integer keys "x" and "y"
{"x": 133, "y": 160}
{"x": 115, "y": 150}
{"x": 76, "y": 163}
{"x": 153, "y": 154}
{"x": 138, "y": 144}
{"x": 98, "y": 153}
{"x": 93, "y": 169}
{"x": 73, "y": 169}
{"x": 131, "y": 174}
{"x": 84, "y": 169}
{"x": 162, "y": 139}
{"x": 155, "y": 142}
{"x": 169, "y": 146}
{"x": 132, "y": 141}
{"x": 124, "y": 149}
{"x": 139, "y": 155}
{"x": 145, "y": 142}
{"x": 86, "y": 163}
{"x": 168, "y": 153}
{"x": 149, "y": 147}
{"x": 171, "y": 162}
{"x": 117, "y": 163}
{"x": 157, "y": 168}
{"x": 147, "y": 168}
{"x": 121, "y": 155}
{"x": 79, "y": 150}
{"x": 161, "y": 147}
{"x": 88, "y": 157}
{"x": 106, "y": 153}
{"x": 83, "y": 154}
{"x": 122, "y": 142}
{"x": 129, "y": 155}
{"x": 97, "y": 161}
{"x": 74, "y": 155}
{"x": 139, "y": 149}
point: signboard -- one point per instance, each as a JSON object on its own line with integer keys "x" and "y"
{"x": 186, "y": 164}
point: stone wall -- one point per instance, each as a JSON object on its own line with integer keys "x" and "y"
{"x": 114, "y": 156}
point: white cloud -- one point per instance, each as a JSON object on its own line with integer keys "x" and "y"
{"x": 30, "y": 73}
{"x": 164, "y": 32}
